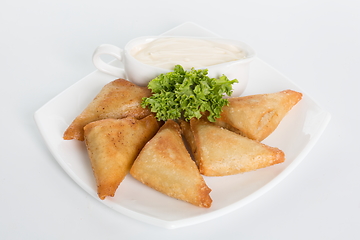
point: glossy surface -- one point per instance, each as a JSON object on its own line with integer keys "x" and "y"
{"x": 187, "y": 52}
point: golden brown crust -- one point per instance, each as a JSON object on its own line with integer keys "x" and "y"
{"x": 257, "y": 116}
{"x": 117, "y": 99}
{"x": 189, "y": 136}
{"x": 113, "y": 145}
{"x": 165, "y": 165}
{"x": 220, "y": 152}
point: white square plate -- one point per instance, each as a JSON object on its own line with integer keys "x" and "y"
{"x": 296, "y": 135}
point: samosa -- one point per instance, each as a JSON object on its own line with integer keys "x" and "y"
{"x": 257, "y": 116}
{"x": 165, "y": 165}
{"x": 113, "y": 145}
{"x": 221, "y": 152}
{"x": 117, "y": 99}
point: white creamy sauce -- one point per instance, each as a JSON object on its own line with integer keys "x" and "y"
{"x": 168, "y": 52}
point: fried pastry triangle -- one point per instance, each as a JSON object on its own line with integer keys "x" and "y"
{"x": 257, "y": 116}
{"x": 220, "y": 152}
{"x": 117, "y": 99}
{"x": 113, "y": 145}
{"x": 165, "y": 165}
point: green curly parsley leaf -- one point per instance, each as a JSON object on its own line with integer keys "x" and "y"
{"x": 187, "y": 94}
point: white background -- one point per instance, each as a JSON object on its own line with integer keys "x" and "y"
{"x": 46, "y": 46}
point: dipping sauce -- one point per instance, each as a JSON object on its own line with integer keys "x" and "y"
{"x": 167, "y": 52}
